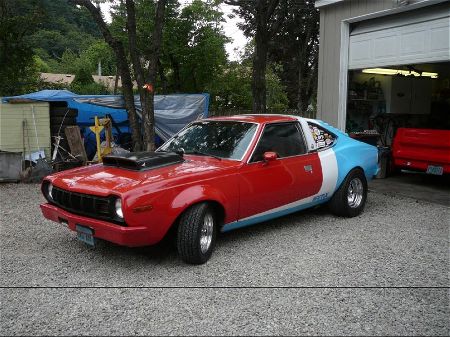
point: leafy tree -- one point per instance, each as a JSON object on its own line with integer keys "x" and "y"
{"x": 232, "y": 89}
{"x": 194, "y": 47}
{"x": 18, "y": 70}
{"x": 99, "y": 51}
{"x": 145, "y": 74}
{"x": 263, "y": 19}
{"x": 296, "y": 49}
{"x": 62, "y": 27}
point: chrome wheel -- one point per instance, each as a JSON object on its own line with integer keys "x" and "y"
{"x": 355, "y": 192}
{"x": 206, "y": 232}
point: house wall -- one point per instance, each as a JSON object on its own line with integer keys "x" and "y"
{"x": 331, "y": 17}
{"x": 14, "y": 138}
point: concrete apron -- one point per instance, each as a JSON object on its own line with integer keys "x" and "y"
{"x": 419, "y": 186}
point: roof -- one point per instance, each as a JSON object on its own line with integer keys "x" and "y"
{"x": 321, "y": 3}
{"x": 256, "y": 118}
{"x": 108, "y": 81}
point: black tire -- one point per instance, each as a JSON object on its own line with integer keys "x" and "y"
{"x": 65, "y": 121}
{"x": 191, "y": 226}
{"x": 341, "y": 205}
{"x": 54, "y": 129}
{"x": 61, "y": 112}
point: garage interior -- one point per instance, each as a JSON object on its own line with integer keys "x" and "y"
{"x": 399, "y": 77}
{"x": 382, "y": 99}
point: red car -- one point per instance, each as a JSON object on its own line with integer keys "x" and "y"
{"x": 426, "y": 150}
{"x": 216, "y": 174}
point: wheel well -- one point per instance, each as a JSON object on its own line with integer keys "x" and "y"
{"x": 219, "y": 211}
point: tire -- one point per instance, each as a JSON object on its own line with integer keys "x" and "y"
{"x": 196, "y": 234}
{"x": 55, "y": 128}
{"x": 349, "y": 200}
{"x": 61, "y": 112}
{"x": 66, "y": 121}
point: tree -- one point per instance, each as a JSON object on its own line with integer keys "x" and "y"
{"x": 231, "y": 91}
{"x": 296, "y": 49}
{"x": 263, "y": 19}
{"x": 193, "y": 52}
{"x": 18, "y": 70}
{"x": 122, "y": 66}
{"x": 146, "y": 79}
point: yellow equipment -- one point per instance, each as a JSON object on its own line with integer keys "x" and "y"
{"x": 100, "y": 124}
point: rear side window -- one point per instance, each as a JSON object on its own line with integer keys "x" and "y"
{"x": 285, "y": 139}
{"x": 322, "y": 137}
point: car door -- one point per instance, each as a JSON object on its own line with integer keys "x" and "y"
{"x": 294, "y": 175}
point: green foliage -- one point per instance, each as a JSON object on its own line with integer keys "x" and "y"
{"x": 63, "y": 27}
{"x": 89, "y": 89}
{"x": 99, "y": 51}
{"x": 232, "y": 89}
{"x": 18, "y": 69}
{"x": 84, "y": 84}
{"x": 194, "y": 47}
{"x": 83, "y": 76}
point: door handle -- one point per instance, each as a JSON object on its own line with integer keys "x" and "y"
{"x": 308, "y": 168}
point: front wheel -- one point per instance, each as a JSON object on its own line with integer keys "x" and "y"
{"x": 350, "y": 199}
{"x": 196, "y": 234}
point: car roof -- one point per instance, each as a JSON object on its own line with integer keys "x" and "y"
{"x": 266, "y": 118}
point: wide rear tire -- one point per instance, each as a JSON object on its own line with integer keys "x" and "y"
{"x": 349, "y": 200}
{"x": 196, "y": 235}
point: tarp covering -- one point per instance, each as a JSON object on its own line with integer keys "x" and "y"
{"x": 172, "y": 112}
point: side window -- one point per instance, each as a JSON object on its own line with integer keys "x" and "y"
{"x": 322, "y": 137}
{"x": 285, "y": 139}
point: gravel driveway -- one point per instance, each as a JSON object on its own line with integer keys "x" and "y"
{"x": 385, "y": 272}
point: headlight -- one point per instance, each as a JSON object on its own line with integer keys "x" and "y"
{"x": 50, "y": 190}
{"x": 118, "y": 207}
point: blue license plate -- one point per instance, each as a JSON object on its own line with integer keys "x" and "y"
{"x": 85, "y": 235}
{"x": 436, "y": 170}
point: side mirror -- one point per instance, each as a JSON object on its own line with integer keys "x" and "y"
{"x": 270, "y": 156}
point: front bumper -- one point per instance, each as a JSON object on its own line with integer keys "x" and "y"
{"x": 125, "y": 236}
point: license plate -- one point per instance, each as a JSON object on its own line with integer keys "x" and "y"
{"x": 436, "y": 170}
{"x": 85, "y": 235}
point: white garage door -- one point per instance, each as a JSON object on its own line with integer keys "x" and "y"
{"x": 416, "y": 37}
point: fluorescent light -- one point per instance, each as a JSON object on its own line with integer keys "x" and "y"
{"x": 387, "y": 71}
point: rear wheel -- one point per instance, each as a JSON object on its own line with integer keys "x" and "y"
{"x": 350, "y": 199}
{"x": 196, "y": 235}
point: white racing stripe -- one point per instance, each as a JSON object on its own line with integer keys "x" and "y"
{"x": 329, "y": 171}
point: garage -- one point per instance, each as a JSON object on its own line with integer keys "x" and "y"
{"x": 384, "y": 78}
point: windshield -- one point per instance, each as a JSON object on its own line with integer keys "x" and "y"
{"x": 223, "y": 139}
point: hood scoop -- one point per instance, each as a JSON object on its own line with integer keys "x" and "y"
{"x": 141, "y": 161}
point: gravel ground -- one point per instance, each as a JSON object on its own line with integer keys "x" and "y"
{"x": 385, "y": 272}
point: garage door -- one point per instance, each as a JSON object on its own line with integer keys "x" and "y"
{"x": 415, "y": 37}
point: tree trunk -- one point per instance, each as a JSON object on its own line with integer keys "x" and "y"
{"x": 122, "y": 68}
{"x": 259, "y": 77}
{"x": 260, "y": 60}
{"x": 149, "y": 120}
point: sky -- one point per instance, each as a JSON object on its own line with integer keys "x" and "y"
{"x": 230, "y": 28}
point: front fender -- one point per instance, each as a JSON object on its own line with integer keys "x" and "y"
{"x": 199, "y": 193}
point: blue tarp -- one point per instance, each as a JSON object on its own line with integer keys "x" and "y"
{"x": 172, "y": 112}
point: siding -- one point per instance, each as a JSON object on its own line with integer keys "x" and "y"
{"x": 329, "y": 50}
{"x": 14, "y": 138}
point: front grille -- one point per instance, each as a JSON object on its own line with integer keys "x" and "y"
{"x": 85, "y": 204}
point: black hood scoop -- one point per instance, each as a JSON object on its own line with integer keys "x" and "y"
{"x": 141, "y": 161}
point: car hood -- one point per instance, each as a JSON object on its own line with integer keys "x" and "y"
{"x": 103, "y": 180}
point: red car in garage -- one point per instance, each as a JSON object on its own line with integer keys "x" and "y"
{"x": 426, "y": 150}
